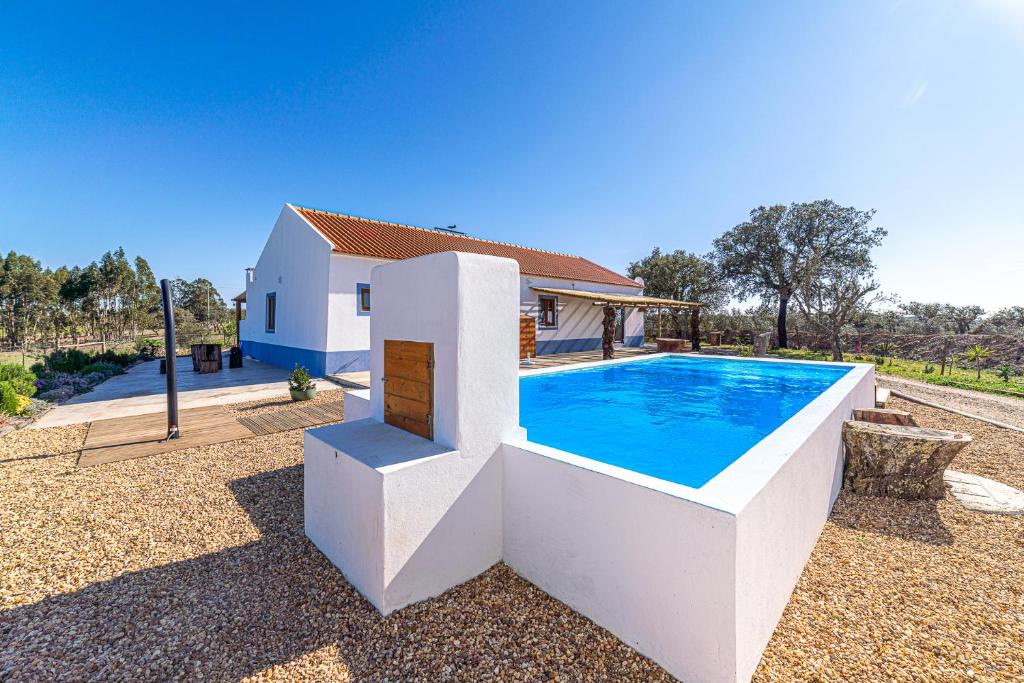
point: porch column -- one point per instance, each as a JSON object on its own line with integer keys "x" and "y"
{"x": 238, "y": 322}
{"x": 608, "y": 335}
{"x": 695, "y": 328}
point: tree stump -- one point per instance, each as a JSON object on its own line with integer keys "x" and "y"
{"x": 884, "y": 416}
{"x": 897, "y": 461}
{"x": 761, "y": 344}
{"x": 608, "y": 335}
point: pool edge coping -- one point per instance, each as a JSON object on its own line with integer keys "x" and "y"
{"x": 738, "y": 483}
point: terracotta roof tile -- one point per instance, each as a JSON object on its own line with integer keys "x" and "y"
{"x": 378, "y": 239}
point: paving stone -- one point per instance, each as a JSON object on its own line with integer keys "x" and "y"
{"x": 984, "y": 495}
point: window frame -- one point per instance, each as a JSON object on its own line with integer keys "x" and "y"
{"x": 363, "y": 288}
{"x": 540, "y": 311}
{"x": 270, "y": 313}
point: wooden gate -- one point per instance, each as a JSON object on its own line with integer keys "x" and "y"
{"x": 527, "y": 337}
{"x": 409, "y": 386}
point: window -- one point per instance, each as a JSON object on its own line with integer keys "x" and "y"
{"x": 548, "y": 312}
{"x": 362, "y": 299}
{"x": 271, "y": 311}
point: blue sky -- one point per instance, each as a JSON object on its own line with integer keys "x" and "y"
{"x": 178, "y": 131}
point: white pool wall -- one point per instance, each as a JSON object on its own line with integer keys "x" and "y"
{"x": 696, "y": 579}
{"x": 655, "y": 570}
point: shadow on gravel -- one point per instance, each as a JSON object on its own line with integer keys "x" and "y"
{"x": 236, "y": 612}
{"x": 916, "y": 520}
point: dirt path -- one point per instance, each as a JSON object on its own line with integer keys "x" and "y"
{"x": 1002, "y": 408}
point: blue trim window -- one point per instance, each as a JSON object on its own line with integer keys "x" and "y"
{"x": 362, "y": 299}
{"x": 271, "y": 312}
{"x": 548, "y": 316}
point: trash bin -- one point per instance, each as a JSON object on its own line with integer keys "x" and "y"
{"x": 235, "y": 360}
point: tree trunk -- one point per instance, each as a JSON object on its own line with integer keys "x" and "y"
{"x": 608, "y": 336}
{"x": 783, "y": 305}
{"x": 837, "y": 347}
{"x": 695, "y": 329}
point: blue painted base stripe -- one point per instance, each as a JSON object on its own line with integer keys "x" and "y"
{"x": 635, "y": 341}
{"x": 319, "y": 363}
{"x": 548, "y": 346}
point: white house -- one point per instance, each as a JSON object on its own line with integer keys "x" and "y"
{"x": 308, "y": 299}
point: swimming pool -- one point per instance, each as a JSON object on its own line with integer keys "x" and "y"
{"x": 678, "y": 418}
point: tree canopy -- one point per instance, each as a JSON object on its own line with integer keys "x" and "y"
{"x": 781, "y": 248}
{"x": 681, "y": 276}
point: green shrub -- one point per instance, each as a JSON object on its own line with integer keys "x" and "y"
{"x": 22, "y": 380}
{"x": 104, "y": 368}
{"x": 879, "y": 360}
{"x": 299, "y": 379}
{"x": 928, "y": 369}
{"x": 70, "y": 361}
{"x": 122, "y": 358}
{"x": 8, "y": 398}
{"x": 75, "y": 362}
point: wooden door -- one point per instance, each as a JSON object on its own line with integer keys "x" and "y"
{"x": 527, "y": 337}
{"x": 409, "y": 386}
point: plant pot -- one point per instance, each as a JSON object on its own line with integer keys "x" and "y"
{"x": 298, "y": 395}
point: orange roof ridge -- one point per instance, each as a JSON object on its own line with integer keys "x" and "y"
{"x": 435, "y": 230}
{"x": 371, "y": 238}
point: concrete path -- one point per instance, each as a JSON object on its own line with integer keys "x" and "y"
{"x": 143, "y": 390}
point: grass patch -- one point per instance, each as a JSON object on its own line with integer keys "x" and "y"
{"x": 961, "y": 377}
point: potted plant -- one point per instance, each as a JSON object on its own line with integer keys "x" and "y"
{"x": 300, "y": 386}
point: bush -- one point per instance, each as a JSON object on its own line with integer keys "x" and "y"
{"x": 8, "y": 398}
{"x": 70, "y": 361}
{"x": 23, "y": 381}
{"x": 73, "y": 361}
{"x": 103, "y": 368}
{"x": 299, "y": 379}
{"x": 122, "y": 358}
{"x": 928, "y": 369}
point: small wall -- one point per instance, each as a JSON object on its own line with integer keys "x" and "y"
{"x": 696, "y": 579}
{"x": 402, "y": 517}
{"x": 778, "y": 528}
{"x": 357, "y": 405}
{"x": 655, "y": 570}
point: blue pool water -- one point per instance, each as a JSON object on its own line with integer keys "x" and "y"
{"x": 675, "y": 418}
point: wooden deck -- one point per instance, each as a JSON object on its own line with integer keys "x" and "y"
{"x": 140, "y": 436}
{"x": 557, "y": 359}
{"x": 302, "y": 417}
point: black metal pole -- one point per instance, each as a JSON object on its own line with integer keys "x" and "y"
{"x": 170, "y": 353}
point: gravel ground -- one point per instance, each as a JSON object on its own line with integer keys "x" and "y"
{"x": 993, "y": 406}
{"x": 194, "y": 565}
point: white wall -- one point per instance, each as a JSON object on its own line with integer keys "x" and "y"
{"x": 779, "y": 526}
{"x": 577, "y": 318}
{"x": 423, "y": 516}
{"x": 347, "y": 330}
{"x": 461, "y": 303}
{"x": 295, "y": 263}
{"x": 655, "y": 570}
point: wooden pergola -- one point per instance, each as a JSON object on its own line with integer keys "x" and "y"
{"x": 239, "y": 300}
{"x": 610, "y": 302}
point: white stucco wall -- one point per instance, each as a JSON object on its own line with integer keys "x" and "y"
{"x": 655, "y": 570}
{"x": 423, "y": 516}
{"x": 295, "y": 263}
{"x": 459, "y": 302}
{"x": 348, "y": 330}
{"x": 779, "y": 526}
{"x": 696, "y": 579}
{"x": 577, "y": 319}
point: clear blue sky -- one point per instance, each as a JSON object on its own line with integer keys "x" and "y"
{"x": 179, "y": 131}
